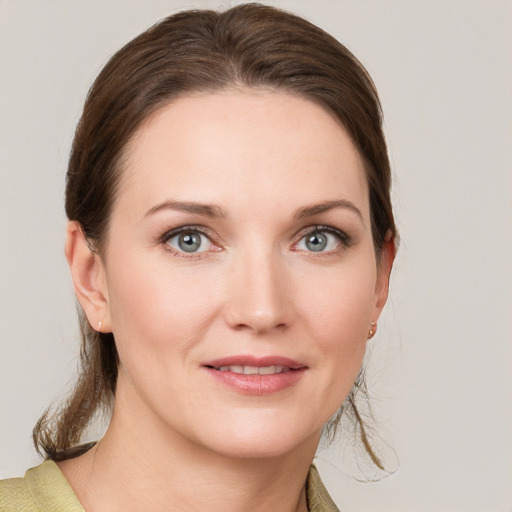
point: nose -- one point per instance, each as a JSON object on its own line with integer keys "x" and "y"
{"x": 257, "y": 294}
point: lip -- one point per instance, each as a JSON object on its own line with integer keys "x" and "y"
{"x": 256, "y": 384}
{"x": 249, "y": 360}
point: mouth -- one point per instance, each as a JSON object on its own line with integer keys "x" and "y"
{"x": 256, "y": 376}
{"x": 252, "y": 370}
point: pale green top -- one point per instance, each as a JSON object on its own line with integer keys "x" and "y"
{"x": 45, "y": 489}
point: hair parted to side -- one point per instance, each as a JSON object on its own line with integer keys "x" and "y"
{"x": 247, "y": 46}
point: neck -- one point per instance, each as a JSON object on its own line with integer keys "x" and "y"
{"x": 144, "y": 465}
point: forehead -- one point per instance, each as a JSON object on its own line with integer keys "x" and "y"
{"x": 235, "y": 146}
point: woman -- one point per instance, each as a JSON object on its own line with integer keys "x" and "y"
{"x": 230, "y": 240}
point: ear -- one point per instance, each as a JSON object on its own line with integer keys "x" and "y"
{"x": 384, "y": 266}
{"x": 89, "y": 279}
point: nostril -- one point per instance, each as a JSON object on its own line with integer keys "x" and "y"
{"x": 260, "y": 325}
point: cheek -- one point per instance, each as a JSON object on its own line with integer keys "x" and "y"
{"x": 158, "y": 312}
{"x": 340, "y": 303}
{"x": 336, "y": 314}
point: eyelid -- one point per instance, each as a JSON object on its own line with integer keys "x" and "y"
{"x": 183, "y": 229}
{"x": 194, "y": 228}
{"x": 345, "y": 239}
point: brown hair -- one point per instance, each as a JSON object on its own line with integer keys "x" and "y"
{"x": 247, "y": 46}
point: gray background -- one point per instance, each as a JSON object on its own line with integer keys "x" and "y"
{"x": 441, "y": 367}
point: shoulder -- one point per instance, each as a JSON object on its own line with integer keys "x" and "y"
{"x": 317, "y": 496}
{"x": 15, "y": 496}
{"x": 43, "y": 488}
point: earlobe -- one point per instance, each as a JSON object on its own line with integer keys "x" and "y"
{"x": 88, "y": 274}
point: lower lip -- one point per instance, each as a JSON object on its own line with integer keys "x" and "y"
{"x": 258, "y": 384}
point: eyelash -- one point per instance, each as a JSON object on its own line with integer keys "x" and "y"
{"x": 346, "y": 240}
{"x": 164, "y": 239}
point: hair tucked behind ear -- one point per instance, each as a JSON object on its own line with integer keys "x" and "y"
{"x": 247, "y": 46}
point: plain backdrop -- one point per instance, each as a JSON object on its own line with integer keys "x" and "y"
{"x": 441, "y": 370}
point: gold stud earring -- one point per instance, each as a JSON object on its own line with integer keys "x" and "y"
{"x": 373, "y": 330}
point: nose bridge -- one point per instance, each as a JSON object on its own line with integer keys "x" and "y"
{"x": 257, "y": 290}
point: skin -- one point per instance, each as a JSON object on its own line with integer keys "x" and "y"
{"x": 179, "y": 437}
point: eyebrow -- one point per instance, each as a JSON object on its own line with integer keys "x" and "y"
{"x": 206, "y": 210}
{"x": 213, "y": 211}
{"x": 315, "y": 209}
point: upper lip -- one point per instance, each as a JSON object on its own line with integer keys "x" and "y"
{"x": 259, "y": 362}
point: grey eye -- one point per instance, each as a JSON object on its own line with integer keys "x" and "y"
{"x": 316, "y": 242}
{"x": 190, "y": 241}
{"x": 319, "y": 241}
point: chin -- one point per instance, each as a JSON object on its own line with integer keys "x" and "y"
{"x": 261, "y": 441}
{"x": 244, "y": 449}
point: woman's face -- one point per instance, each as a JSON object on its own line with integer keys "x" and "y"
{"x": 240, "y": 274}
